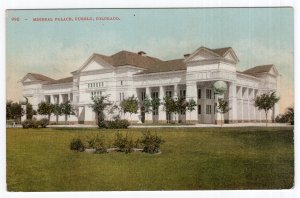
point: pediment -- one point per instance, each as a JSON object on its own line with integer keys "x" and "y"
{"x": 230, "y": 57}
{"x": 94, "y": 63}
{"x": 202, "y": 54}
{"x": 28, "y": 80}
{"x": 273, "y": 71}
{"x": 92, "y": 66}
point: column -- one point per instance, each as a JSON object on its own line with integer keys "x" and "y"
{"x": 148, "y": 115}
{"x": 161, "y": 113}
{"x": 232, "y": 103}
{"x": 53, "y": 99}
{"x": 60, "y": 98}
{"x": 23, "y": 118}
{"x": 175, "y": 95}
{"x": 191, "y": 93}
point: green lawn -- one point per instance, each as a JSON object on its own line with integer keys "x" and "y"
{"x": 191, "y": 159}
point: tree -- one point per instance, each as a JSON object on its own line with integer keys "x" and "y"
{"x": 8, "y": 110}
{"x": 100, "y": 103}
{"x": 29, "y": 111}
{"x": 222, "y": 108}
{"x": 67, "y": 109}
{"x": 265, "y": 102}
{"x": 130, "y": 105}
{"x": 45, "y": 108}
{"x": 191, "y": 106}
{"x": 180, "y": 106}
{"x": 290, "y": 115}
{"x": 169, "y": 106}
{"x": 287, "y": 117}
{"x": 14, "y": 111}
{"x": 57, "y": 111}
{"x": 147, "y": 104}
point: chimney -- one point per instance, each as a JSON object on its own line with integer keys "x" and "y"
{"x": 186, "y": 55}
{"x": 141, "y": 53}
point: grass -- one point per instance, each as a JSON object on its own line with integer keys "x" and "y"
{"x": 191, "y": 159}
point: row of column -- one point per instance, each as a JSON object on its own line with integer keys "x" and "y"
{"x": 162, "y": 94}
{"x": 58, "y": 98}
{"x": 241, "y": 103}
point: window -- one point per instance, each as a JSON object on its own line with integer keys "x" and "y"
{"x": 155, "y": 112}
{"x": 199, "y": 109}
{"x": 121, "y": 82}
{"x": 143, "y": 95}
{"x": 102, "y": 84}
{"x": 182, "y": 94}
{"x": 208, "y": 93}
{"x": 215, "y": 108}
{"x": 199, "y": 93}
{"x": 169, "y": 93}
{"x": 96, "y": 93}
{"x": 208, "y": 109}
{"x": 154, "y": 94}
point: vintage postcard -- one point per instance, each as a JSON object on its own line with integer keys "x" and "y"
{"x": 150, "y": 99}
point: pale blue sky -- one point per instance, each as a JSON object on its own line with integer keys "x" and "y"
{"x": 258, "y": 36}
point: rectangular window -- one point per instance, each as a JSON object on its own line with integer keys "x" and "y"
{"x": 155, "y": 112}
{"x": 102, "y": 84}
{"x": 143, "y": 95}
{"x": 208, "y": 109}
{"x": 199, "y": 93}
{"x": 121, "y": 82}
{"x": 208, "y": 93}
{"x": 169, "y": 93}
{"x": 182, "y": 93}
{"x": 154, "y": 95}
{"x": 215, "y": 108}
{"x": 199, "y": 109}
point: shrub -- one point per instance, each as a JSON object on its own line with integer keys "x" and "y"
{"x": 43, "y": 122}
{"x": 281, "y": 118}
{"x": 27, "y": 124}
{"x": 76, "y": 144}
{"x": 99, "y": 145}
{"x": 151, "y": 142}
{"x": 124, "y": 143}
{"x": 35, "y": 124}
{"x": 117, "y": 124}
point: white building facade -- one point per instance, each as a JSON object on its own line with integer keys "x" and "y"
{"x": 126, "y": 74}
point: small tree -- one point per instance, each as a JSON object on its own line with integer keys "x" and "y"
{"x": 222, "y": 108}
{"x": 155, "y": 103}
{"x": 191, "y": 106}
{"x": 265, "y": 102}
{"x": 45, "y": 108}
{"x": 57, "y": 111}
{"x": 100, "y": 103}
{"x": 14, "y": 111}
{"x": 29, "y": 111}
{"x": 67, "y": 109}
{"x": 130, "y": 105}
{"x": 290, "y": 115}
{"x": 169, "y": 105}
{"x": 180, "y": 105}
{"x": 147, "y": 104}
